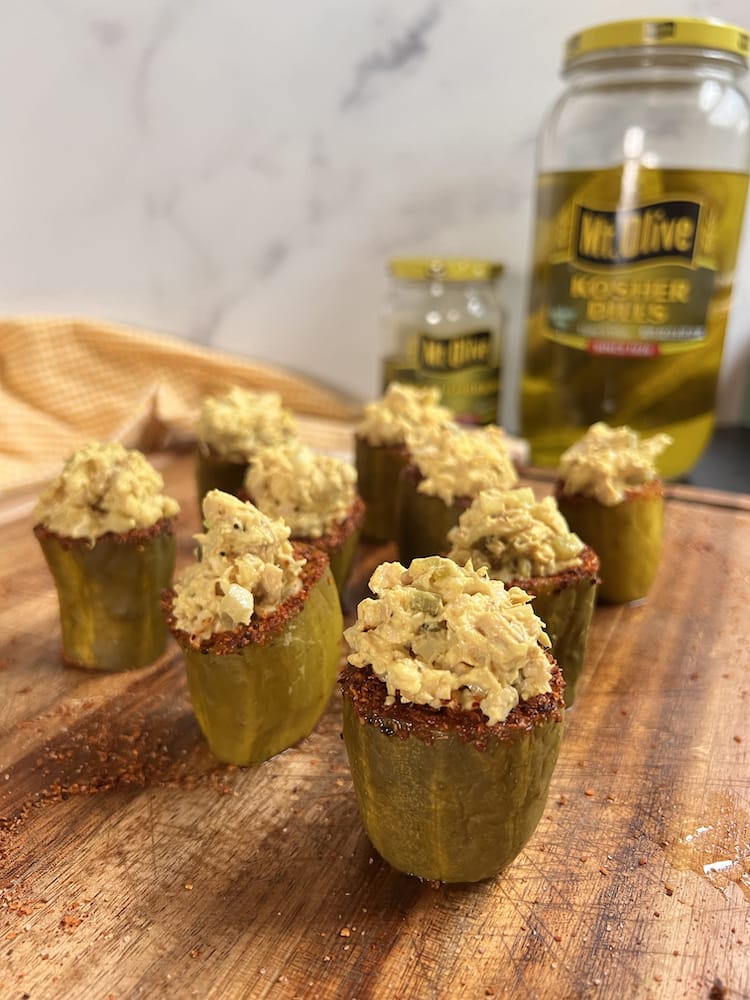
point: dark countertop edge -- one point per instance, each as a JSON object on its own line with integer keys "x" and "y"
{"x": 725, "y": 465}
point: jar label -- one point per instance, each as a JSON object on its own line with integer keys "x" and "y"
{"x": 631, "y": 283}
{"x": 450, "y": 354}
{"x": 633, "y": 274}
{"x": 462, "y": 368}
{"x": 663, "y": 229}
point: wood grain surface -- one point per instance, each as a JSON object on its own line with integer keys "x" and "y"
{"x": 132, "y": 864}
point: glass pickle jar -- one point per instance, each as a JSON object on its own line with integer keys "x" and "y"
{"x": 642, "y": 178}
{"x": 444, "y": 328}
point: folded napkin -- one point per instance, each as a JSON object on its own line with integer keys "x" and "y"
{"x": 66, "y": 381}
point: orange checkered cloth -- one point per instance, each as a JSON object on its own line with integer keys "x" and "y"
{"x": 64, "y": 382}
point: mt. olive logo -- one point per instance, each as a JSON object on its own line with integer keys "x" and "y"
{"x": 662, "y": 229}
{"x": 437, "y": 354}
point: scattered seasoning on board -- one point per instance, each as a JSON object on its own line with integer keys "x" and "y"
{"x": 143, "y": 738}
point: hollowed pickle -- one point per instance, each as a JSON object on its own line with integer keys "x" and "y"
{"x": 340, "y": 544}
{"x": 378, "y": 469}
{"x": 565, "y": 602}
{"x": 214, "y": 472}
{"x": 423, "y": 521}
{"x": 261, "y": 688}
{"x": 627, "y": 538}
{"x": 109, "y": 594}
{"x": 443, "y": 795}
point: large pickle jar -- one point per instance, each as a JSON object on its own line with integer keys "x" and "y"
{"x": 642, "y": 177}
{"x": 443, "y": 328}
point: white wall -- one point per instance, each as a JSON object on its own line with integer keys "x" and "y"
{"x": 237, "y": 172}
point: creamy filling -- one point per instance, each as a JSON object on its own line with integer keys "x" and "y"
{"x": 242, "y": 421}
{"x": 311, "y": 492}
{"x": 401, "y": 410}
{"x": 515, "y": 536}
{"x": 608, "y": 461}
{"x": 104, "y": 487}
{"x": 461, "y": 462}
{"x": 438, "y": 633}
{"x": 246, "y": 569}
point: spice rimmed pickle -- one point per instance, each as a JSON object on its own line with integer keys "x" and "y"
{"x": 259, "y": 622}
{"x": 527, "y": 543}
{"x": 231, "y": 428}
{"x": 609, "y": 493}
{"x": 315, "y": 495}
{"x": 447, "y": 469}
{"x": 381, "y": 452}
{"x": 107, "y": 534}
{"x": 453, "y": 714}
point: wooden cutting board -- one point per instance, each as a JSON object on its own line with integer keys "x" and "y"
{"x": 132, "y": 864}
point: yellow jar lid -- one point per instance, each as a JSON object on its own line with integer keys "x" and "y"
{"x": 675, "y": 32}
{"x": 444, "y": 268}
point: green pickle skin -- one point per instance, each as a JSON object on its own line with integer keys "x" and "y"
{"x": 253, "y": 703}
{"x": 109, "y": 596}
{"x": 213, "y": 472}
{"x": 565, "y": 603}
{"x": 378, "y": 469}
{"x": 340, "y": 553}
{"x": 423, "y": 521}
{"x": 445, "y": 809}
{"x": 341, "y": 559}
{"x": 627, "y": 538}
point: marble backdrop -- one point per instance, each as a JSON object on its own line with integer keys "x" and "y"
{"x": 237, "y": 173}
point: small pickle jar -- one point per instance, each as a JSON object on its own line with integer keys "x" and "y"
{"x": 642, "y": 177}
{"x": 444, "y": 324}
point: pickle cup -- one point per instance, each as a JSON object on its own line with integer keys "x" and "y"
{"x": 423, "y": 521}
{"x": 448, "y": 468}
{"x": 109, "y": 594}
{"x": 565, "y": 602}
{"x": 526, "y": 543}
{"x": 610, "y": 493}
{"x": 314, "y": 494}
{"x": 381, "y": 448}
{"x": 627, "y": 537}
{"x": 340, "y": 544}
{"x": 443, "y": 795}
{"x": 453, "y": 715}
{"x": 213, "y": 472}
{"x": 378, "y": 469}
{"x": 262, "y": 687}
{"x": 231, "y": 428}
